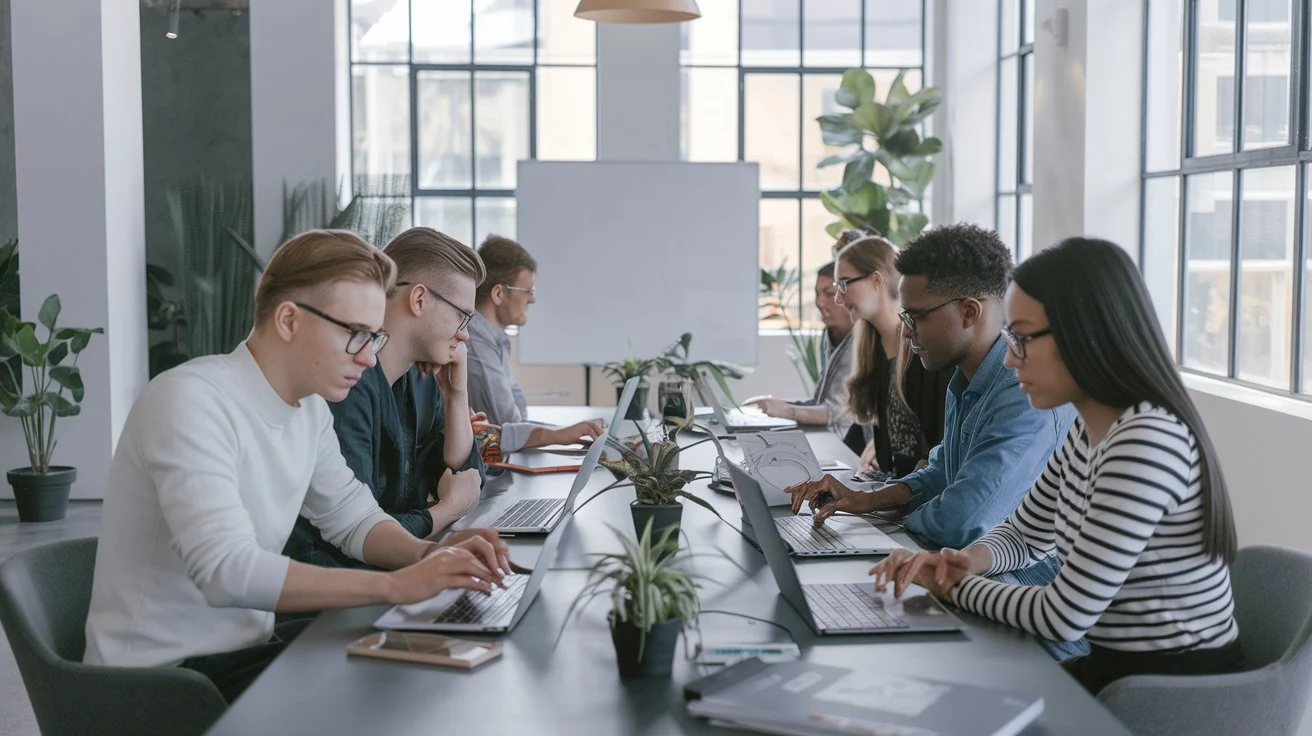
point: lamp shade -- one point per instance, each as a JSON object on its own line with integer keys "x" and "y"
{"x": 638, "y": 11}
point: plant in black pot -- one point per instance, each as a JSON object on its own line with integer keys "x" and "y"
{"x": 675, "y": 360}
{"x": 621, "y": 371}
{"x": 652, "y": 600}
{"x": 55, "y": 391}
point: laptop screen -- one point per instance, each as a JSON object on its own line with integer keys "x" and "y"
{"x": 772, "y": 545}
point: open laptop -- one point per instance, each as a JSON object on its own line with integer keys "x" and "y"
{"x": 473, "y": 612}
{"x": 539, "y": 515}
{"x": 837, "y": 608}
{"x": 729, "y": 417}
{"x": 777, "y": 460}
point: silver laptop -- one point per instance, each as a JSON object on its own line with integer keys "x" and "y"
{"x": 777, "y": 460}
{"x": 474, "y": 612}
{"x": 841, "y": 608}
{"x": 539, "y": 515}
{"x": 728, "y": 418}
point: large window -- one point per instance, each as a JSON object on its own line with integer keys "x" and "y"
{"x": 756, "y": 75}
{"x": 1015, "y": 203}
{"x": 447, "y": 96}
{"x": 1226, "y": 167}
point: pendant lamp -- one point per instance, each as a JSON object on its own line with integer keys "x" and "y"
{"x": 638, "y": 11}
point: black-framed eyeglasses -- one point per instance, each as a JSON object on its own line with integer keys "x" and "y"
{"x": 464, "y": 323}
{"x": 909, "y": 317}
{"x": 358, "y": 339}
{"x": 841, "y": 284}
{"x": 1016, "y": 342}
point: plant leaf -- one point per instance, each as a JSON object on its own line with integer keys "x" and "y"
{"x": 70, "y": 377}
{"x": 27, "y": 346}
{"x": 62, "y": 406}
{"x": 57, "y": 355}
{"x": 839, "y": 130}
{"x": 858, "y": 172}
{"x": 857, "y": 87}
{"x": 49, "y": 312}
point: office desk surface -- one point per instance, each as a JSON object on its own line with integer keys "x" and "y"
{"x": 539, "y": 687}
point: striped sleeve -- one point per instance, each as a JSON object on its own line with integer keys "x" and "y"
{"x": 1143, "y": 474}
{"x": 1029, "y": 534}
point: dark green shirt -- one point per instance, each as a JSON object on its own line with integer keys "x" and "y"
{"x": 393, "y": 438}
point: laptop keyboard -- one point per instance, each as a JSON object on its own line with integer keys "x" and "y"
{"x": 474, "y": 608}
{"x": 531, "y": 513}
{"x": 800, "y": 533}
{"x": 845, "y": 606}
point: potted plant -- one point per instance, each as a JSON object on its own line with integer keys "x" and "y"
{"x": 778, "y": 298}
{"x": 652, "y": 470}
{"x": 41, "y": 489}
{"x": 652, "y": 600}
{"x": 675, "y": 360}
{"x": 620, "y": 372}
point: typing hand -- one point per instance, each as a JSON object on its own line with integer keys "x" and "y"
{"x": 937, "y": 572}
{"x": 486, "y": 544}
{"x": 443, "y": 568}
{"x": 826, "y": 496}
{"x": 583, "y": 432}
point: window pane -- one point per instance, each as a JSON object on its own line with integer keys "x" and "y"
{"x": 1007, "y": 221}
{"x": 817, "y": 250}
{"x": 1027, "y": 101}
{"x": 450, "y": 215}
{"x": 380, "y": 30}
{"x": 1266, "y": 70}
{"x": 1214, "y": 96}
{"x": 562, "y": 38}
{"x": 380, "y": 96}
{"x": 779, "y": 241}
{"x": 1029, "y": 22}
{"x": 710, "y": 114}
{"x": 1206, "y": 320}
{"x": 1007, "y": 122}
{"x": 441, "y": 33}
{"x": 503, "y": 32}
{"x": 893, "y": 33}
{"x": 771, "y": 33}
{"x": 772, "y": 137}
{"x": 567, "y": 113}
{"x": 831, "y": 33}
{"x": 1165, "y": 65}
{"x": 445, "y": 159}
{"x": 1266, "y": 288}
{"x": 1010, "y": 22}
{"x": 501, "y": 114}
{"x": 1161, "y": 249}
{"x": 818, "y": 99}
{"x": 1306, "y": 348}
{"x": 713, "y": 39}
{"x": 493, "y": 216}
{"x": 1025, "y": 228}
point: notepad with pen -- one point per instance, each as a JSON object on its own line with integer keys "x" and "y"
{"x": 435, "y": 649}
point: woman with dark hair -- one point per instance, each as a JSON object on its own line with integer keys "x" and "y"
{"x": 1134, "y": 505}
{"x": 901, "y": 401}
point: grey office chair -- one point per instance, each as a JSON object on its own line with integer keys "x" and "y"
{"x": 1273, "y": 606}
{"x": 44, "y": 596}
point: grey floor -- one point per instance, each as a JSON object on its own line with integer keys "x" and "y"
{"x": 83, "y": 520}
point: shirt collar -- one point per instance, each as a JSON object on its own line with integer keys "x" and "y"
{"x": 483, "y": 328}
{"x": 268, "y": 404}
{"x": 987, "y": 373}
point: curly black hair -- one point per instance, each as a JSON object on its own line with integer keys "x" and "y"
{"x": 958, "y": 260}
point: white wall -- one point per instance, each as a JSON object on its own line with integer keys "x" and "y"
{"x": 970, "y": 83}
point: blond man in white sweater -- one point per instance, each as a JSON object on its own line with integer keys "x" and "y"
{"x": 220, "y": 455}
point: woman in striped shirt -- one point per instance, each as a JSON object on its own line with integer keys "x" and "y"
{"x": 1134, "y": 504}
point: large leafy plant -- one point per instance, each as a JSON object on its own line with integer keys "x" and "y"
{"x": 884, "y": 135}
{"x": 778, "y": 296}
{"x": 56, "y": 388}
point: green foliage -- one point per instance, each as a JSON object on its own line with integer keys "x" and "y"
{"x": 778, "y": 293}
{"x": 10, "y": 303}
{"x": 620, "y": 372}
{"x": 675, "y": 359}
{"x": 57, "y": 389}
{"x": 167, "y": 316}
{"x": 645, "y": 584}
{"x": 882, "y": 134}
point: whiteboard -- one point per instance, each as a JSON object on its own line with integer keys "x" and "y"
{"x": 637, "y": 253}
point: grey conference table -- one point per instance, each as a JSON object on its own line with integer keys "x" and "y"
{"x": 314, "y": 687}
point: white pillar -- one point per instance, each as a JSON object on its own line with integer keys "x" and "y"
{"x": 1059, "y": 123}
{"x": 81, "y": 221}
{"x": 299, "y": 116}
{"x": 966, "y": 185}
{"x": 639, "y": 92}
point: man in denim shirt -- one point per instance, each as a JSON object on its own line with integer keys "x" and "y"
{"x": 994, "y": 444}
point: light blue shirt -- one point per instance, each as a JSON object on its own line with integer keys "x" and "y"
{"x": 994, "y": 447}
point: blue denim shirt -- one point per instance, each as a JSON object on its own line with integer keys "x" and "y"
{"x": 994, "y": 447}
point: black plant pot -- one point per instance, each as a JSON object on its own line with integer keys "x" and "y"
{"x": 662, "y": 517}
{"x": 42, "y": 496}
{"x": 657, "y": 658}
{"x": 637, "y": 409}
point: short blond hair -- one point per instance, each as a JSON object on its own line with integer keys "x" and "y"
{"x": 425, "y": 256}
{"x": 318, "y": 257}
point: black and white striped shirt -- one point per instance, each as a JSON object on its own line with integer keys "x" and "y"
{"x": 1126, "y": 520}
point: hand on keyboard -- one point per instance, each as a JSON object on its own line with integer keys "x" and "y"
{"x": 452, "y": 566}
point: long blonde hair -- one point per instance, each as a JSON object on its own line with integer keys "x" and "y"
{"x": 867, "y": 255}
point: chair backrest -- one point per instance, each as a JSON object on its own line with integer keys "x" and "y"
{"x": 1273, "y": 604}
{"x": 44, "y": 596}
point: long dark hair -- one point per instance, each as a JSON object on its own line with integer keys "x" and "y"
{"x": 1103, "y": 321}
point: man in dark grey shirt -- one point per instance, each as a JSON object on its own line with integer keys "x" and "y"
{"x": 502, "y": 301}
